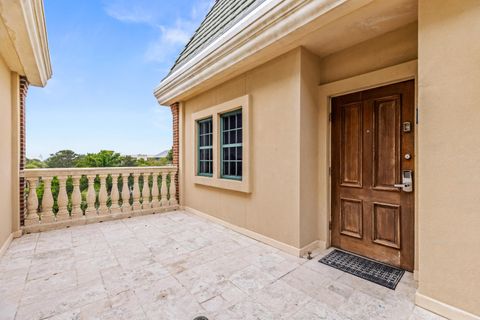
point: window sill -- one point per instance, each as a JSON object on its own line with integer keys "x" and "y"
{"x": 228, "y": 184}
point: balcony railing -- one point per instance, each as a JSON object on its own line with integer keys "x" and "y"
{"x": 73, "y": 196}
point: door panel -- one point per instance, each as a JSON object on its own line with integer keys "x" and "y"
{"x": 352, "y": 145}
{"x": 351, "y": 218}
{"x": 370, "y": 216}
{"x": 386, "y": 148}
{"x": 386, "y": 225}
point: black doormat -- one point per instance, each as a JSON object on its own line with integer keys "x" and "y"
{"x": 373, "y": 271}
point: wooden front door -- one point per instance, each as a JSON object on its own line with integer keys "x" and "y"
{"x": 372, "y": 149}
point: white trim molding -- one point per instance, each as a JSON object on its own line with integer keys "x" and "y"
{"x": 9, "y": 240}
{"x": 270, "y": 22}
{"x": 215, "y": 112}
{"x": 24, "y": 39}
{"x": 443, "y": 309}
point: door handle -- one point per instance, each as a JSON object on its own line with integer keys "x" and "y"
{"x": 407, "y": 181}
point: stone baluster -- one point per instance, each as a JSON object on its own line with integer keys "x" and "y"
{"x": 103, "y": 195}
{"x": 146, "y": 192}
{"x": 155, "y": 193}
{"x": 125, "y": 193}
{"x": 32, "y": 203}
{"x": 173, "y": 190}
{"x": 136, "y": 193}
{"x": 47, "y": 201}
{"x": 62, "y": 199}
{"x": 91, "y": 197}
{"x": 114, "y": 195}
{"x": 163, "y": 190}
{"x": 76, "y": 198}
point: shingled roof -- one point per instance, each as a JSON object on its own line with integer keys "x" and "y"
{"x": 223, "y": 15}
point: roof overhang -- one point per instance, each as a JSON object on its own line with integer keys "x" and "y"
{"x": 250, "y": 43}
{"x": 23, "y": 38}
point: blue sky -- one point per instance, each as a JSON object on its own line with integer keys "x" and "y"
{"x": 107, "y": 57}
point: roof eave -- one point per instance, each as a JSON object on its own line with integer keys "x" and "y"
{"x": 28, "y": 53}
{"x": 271, "y": 21}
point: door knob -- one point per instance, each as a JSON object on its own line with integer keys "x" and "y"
{"x": 407, "y": 181}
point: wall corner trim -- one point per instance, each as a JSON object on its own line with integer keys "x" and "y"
{"x": 259, "y": 237}
{"x": 443, "y": 309}
{"x": 317, "y": 244}
{"x": 6, "y": 244}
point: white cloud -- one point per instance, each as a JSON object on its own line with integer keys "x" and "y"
{"x": 132, "y": 12}
{"x": 172, "y": 37}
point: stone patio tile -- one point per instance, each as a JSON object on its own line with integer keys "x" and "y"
{"x": 8, "y": 306}
{"x": 315, "y": 310}
{"x": 281, "y": 298}
{"x": 363, "y": 306}
{"x": 248, "y": 309}
{"x": 125, "y": 306}
{"x": 14, "y": 263}
{"x": 422, "y": 314}
{"x": 212, "y": 290}
{"x": 319, "y": 286}
{"x": 43, "y": 286}
{"x": 93, "y": 310}
{"x": 167, "y": 299}
{"x": 58, "y": 302}
{"x": 178, "y": 266}
{"x": 251, "y": 279}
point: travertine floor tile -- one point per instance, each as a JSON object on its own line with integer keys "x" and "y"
{"x": 178, "y": 266}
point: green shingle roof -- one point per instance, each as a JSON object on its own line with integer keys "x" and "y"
{"x": 223, "y": 15}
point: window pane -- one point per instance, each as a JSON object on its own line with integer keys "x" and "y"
{"x": 232, "y": 137}
{"x": 233, "y": 168}
{"x": 232, "y": 153}
{"x": 225, "y": 123}
{"x": 226, "y": 155}
{"x": 225, "y": 138}
{"x": 204, "y": 147}
{"x": 231, "y": 145}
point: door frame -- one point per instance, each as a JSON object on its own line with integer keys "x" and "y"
{"x": 390, "y": 75}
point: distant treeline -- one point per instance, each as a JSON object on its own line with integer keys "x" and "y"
{"x": 104, "y": 158}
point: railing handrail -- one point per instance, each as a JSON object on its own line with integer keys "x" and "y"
{"x": 78, "y": 200}
{"x": 51, "y": 172}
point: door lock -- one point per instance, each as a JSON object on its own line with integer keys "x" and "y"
{"x": 407, "y": 181}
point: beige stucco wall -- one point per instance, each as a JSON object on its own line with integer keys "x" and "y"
{"x": 272, "y": 208}
{"x": 386, "y": 50}
{"x": 289, "y": 199}
{"x": 449, "y": 137}
{"x": 309, "y": 164}
{"x": 5, "y": 152}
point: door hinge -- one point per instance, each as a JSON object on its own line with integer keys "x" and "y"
{"x": 329, "y": 171}
{"x": 330, "y": 117}
{"x": 330, "y": 225}
{"x": 416, "y": 115}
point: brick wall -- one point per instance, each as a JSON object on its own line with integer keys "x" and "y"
{"x": 175, "y": 148}
{"x": 23, "y": 94}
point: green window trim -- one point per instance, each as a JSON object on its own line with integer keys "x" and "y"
{"x": 235, "y": 146}
{"x": 205, "y": 148}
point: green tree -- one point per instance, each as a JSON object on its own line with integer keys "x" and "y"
{"x": 62, "y": 159}
{"x": 34, "y": 164}
{"x": 104, "y": 158}
{"x": 152, "y": 162}
{"x": 128, "y": 161}
{"x": 169, "y": 156}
